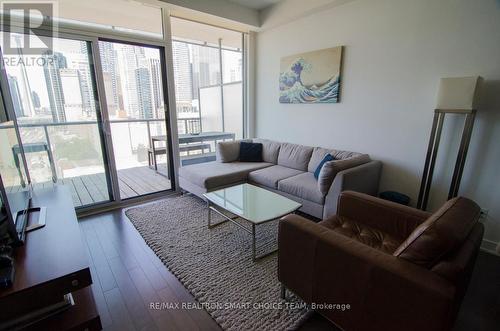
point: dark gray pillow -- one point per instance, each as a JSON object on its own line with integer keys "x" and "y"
{"x": 332, "y": 168}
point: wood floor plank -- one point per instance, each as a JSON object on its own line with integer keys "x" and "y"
{"x": 121, "y": 241}
{"x": 164, "y": 319}
{"x": 84, "y": 196}
{"x": 74, "y": 195}
{"x": 119, "y": 313}
{"x": 102, "y": 268}
{"x": 134, "y": 303}
{"x": 135, "y": 184}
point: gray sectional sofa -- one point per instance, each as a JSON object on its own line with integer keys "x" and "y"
{"x": 287, "y": 169}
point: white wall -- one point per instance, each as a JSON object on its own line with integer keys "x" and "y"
{"x": 395, "y": 53}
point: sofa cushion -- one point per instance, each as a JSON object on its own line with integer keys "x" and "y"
{"x": 294, "y": 156}
{"x": 319, "y": 153}
{"x": 304, "y": 186}
{"x": 270, "y": 176}
{"x": 250, "y": 152}
{"x": 327, "y": 158}
{"x": 270, "y": 150}
{"x": 332, "y": 168}
{"x": 441, "y": 233}
{"x": 372, "y": 237}
{"x": 227, "y": 151}
{"x": 211, "y": 175}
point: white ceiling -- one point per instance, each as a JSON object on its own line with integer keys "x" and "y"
{"x": 256, "y": 4}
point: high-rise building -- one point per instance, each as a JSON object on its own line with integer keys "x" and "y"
{"x": 73, "y": 90}
{"x": 154, "y": 68}
{"x": 109, "y": 67}
{"x": 144, "y": 93}
{"x": 16, "y": 96}
{"x": 129, "y": 59}
{"x": 182, "y": 72}
{"x": 51, "y": 70}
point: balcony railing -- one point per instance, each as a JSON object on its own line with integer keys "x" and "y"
{"x": 88, "y": 153}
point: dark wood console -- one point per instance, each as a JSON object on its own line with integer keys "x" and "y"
{"x": 52, "y": 263}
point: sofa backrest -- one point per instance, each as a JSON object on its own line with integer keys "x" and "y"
{"x": 320, "y": 152}
{"x": 294, "y": 156}
{"x": 270, "y": 150}
{"x": 228, "y": 151}
{"x": 441, "y": 234}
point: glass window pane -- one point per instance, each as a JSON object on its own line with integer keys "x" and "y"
{"x": 134, "y": 95}
{"x": 232, "y": 66}
{"x": 233, "y": 116}
{"x": 56, "y": 108}
{"x": 208, "y": 65}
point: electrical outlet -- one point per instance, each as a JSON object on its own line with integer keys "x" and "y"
{"x": 484, "y": 214}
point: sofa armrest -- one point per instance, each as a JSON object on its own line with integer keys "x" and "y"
{"x": 383, "y": 291}
{"x": 364, "y": 178}
{"x": 393, "y": 218}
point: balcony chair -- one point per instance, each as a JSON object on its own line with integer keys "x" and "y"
{"x": 397, "y": 268}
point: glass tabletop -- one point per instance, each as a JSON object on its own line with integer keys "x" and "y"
{"x": 255, "y": 204}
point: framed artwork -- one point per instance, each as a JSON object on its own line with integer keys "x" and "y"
{"x": 312, "y": 77}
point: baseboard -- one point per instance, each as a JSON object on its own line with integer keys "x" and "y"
{"x": 490, "y": 246}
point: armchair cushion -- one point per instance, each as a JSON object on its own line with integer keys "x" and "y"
{"x": 364, "y": 234}
{"x": 394, "y": 219}
{"x": 441, "y": 233}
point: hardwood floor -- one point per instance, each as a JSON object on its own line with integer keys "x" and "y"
{"x": 129, "y": 278}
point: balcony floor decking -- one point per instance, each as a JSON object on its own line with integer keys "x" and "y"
{"x": 91, "y": 189}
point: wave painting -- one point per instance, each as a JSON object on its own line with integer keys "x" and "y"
{"x": 312, "y": 77}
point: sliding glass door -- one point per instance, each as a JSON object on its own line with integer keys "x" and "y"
{"x": 55, "y": 102}
{"x": 133, "y": 84}
{"x": 91, "y": 116}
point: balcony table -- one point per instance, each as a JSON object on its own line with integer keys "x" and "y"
{"x": 189, "y": 138}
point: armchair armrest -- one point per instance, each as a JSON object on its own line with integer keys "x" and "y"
{"x": 383, "y": 291}
{"x": 363, "y": 178}
{"x": 390, "y": 217}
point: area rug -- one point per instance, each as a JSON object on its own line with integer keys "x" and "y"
{"x": 216, "y": 265}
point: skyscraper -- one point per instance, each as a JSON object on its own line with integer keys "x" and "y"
{"x": 16, "y": 96}
{"x": 155, "y": 72}
{"x": 182, "y": 71}
{"x": 109, "y": 67}
{"x": 144, "y": 93}
{"x": 51, "y": 70}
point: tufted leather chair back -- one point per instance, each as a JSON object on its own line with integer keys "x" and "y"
{"x": 441, "y": 234}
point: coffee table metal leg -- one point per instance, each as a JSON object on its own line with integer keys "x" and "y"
{"x": 253, "y": 242}
{"x": 254, "y": 248}
{"x": 209, "y": 214}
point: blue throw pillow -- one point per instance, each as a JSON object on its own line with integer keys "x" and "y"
{"x": 250, "y": 152}
{"x": 328, "y": 157}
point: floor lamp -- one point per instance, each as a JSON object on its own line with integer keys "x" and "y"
{"x": 456, "y": 96}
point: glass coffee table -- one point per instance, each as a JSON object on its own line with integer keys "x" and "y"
{"x": 253, "y": 204}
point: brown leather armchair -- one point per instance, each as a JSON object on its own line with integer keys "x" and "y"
{"x": 397, "y": 268}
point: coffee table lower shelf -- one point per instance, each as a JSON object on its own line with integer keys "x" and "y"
{"x": 251, "y": 230}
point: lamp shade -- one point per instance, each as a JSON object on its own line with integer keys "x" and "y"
{"x": 457, "y": 93}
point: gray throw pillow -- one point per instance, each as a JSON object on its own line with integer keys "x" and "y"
{"x": 332, "y": 168}
{"x": 227, "y": 151}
